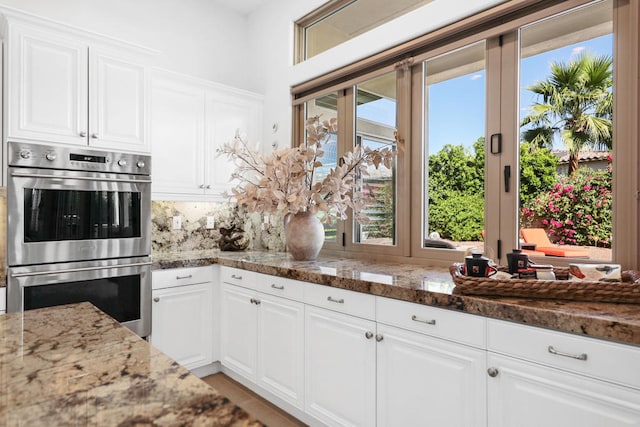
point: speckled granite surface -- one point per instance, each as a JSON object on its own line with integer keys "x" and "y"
{"x": 74, "y": 365}
{"x": 431, "y": 286}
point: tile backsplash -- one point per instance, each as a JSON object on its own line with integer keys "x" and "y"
{"x": 261, "y": 231}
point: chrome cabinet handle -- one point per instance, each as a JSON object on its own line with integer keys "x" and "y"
{"x": 255, "y": 301}
{"x": 427, "y": 321}
{"x": 208, "y": 186}
{"x": 368, "y": 335}
{"x": 493, "y": 372}
{"x": 83, "y": 134}
{"x": 582, "y": 356}
{"x": 233, "y": 276}
{"x": 95, "y": 136}
{"x": 202, "y": 186}
{"x": 252, "y": 300}
{"x": 188, "y": 276}
{"x": 338, "y": 301}
{"x": 156, "y": 299}
{"x": 274, "y": 286}
{"x": 379, "y": 337}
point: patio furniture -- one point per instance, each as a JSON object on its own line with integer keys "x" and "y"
{"x": 543, "y": 244}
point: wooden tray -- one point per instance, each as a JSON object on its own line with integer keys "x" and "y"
{"x": 626, "y": 291}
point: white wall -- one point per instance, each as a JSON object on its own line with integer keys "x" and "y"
{"x": 271, "y": 38}
{"x": 194, "y": 37}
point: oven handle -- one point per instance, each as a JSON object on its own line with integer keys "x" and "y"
{"x": 81, "y": 178}
{"x": 75, "y": 270}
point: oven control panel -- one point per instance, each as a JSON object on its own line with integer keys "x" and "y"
{"x": 71, "y": 158}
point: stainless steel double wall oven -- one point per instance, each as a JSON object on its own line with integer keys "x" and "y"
{"x": 78, "y": 229}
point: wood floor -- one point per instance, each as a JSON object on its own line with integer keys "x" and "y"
{"x": 256, "y": 406}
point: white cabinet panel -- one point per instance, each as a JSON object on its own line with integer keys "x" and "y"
{"x": 47, "y": 86}
{"x": 177, "y": 135}
{"x": 280, "y": 348}
{"x": 340, "y": 368}
{"x": 238, "y": 347}
{"x": 528, "y": 395}
{"x": 428, "y": 381}
{"x": 3, "y": 299}
{"x": 117, "y": 108}
{"x": 182, "y": 322}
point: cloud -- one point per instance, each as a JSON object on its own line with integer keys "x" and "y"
{"x": 577, "y": 50}
{"x": 476, "y": 76}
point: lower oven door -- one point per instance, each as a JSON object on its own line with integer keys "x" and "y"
{"x": 119, "y": 287}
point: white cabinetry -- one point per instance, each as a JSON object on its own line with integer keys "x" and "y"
{"x": 552, "y": 379}
{"x": 3, "y": 299}
{"x": 182, "y": 315}
{"x": 262, "y": 334}
{"x": 190, "y": 119}
{"x": 69, "y": 87}
{"x": 340, "y": 356}
{"x": 424, "y": 380}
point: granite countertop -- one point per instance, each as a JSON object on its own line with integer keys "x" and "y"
{"x": 74, "y": 365}
{"x": 426, "y": 285}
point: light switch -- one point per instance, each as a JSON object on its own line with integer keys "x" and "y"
{"x": 177, "y": 222}
{"x": 210, "y": 221}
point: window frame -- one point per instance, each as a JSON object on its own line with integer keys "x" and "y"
{"x": 502, "y": 20}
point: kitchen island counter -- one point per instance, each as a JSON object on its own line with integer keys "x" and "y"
{"x": 74, "y": 365}
{"x": 426, "y": 285}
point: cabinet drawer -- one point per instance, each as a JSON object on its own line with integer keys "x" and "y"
{"x": 437, "y": 322}
{"x": 589, "y": 356}
{"x": 349, "y": 302}
{"x": 237, "y": 276}
{"x": 279, "y": 286}
{"x": 181, "y": 276}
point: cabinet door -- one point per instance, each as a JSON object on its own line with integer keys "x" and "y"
{"x": 529, "y": 395}
{"x": 238, "y": 330}
{"x": 48, "y": 84}
{"x": 177, "y": 138}
{"x": 340, "y": 371}
{"x": 280, "y": 348}
{"x": 117, "y": 102}
{"x": 426, "y": 381}
{"x": 182, "y": 321}
{"x": 225, "y": 115}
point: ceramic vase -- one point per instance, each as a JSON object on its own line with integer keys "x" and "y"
{"x": 304, "y": 234}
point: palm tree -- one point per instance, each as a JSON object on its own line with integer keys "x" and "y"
{"x": 577, "y": 105}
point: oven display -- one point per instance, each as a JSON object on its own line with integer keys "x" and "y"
{"x": 87, "y": 158}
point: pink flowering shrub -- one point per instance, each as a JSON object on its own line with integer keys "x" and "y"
{"x": 575, "y": 211}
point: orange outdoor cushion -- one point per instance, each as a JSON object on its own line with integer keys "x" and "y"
{"x": 543, "y": 244}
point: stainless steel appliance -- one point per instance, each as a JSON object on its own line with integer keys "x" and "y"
{"x": 71, "y": 204}
{"x": 79, "y": 229}
{"x": 120, "y": 287}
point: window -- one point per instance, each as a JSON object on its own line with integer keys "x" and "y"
{"x": 342, "y": 20}
{"x": 481, "y": 149}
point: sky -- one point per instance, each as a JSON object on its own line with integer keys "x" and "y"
{"x": 457, "y": 106}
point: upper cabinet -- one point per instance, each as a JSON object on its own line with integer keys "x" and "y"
{"x": 65, "y": 86}
{"x": 190, "y": 118}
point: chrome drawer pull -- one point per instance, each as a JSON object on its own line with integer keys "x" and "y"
{"x": 233, "y": 276}
{"x": 368, "y": 335}
{"x": 274, "y": 286}
{"x": 428, "y": 322}
{"x": 188, "y": 276}
{"x": 339, "y": 301}
{"x": 582, "y": 356}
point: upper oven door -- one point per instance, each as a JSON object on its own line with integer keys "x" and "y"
{"x": 59, "y": 216}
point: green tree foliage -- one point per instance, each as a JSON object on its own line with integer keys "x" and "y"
{"x": 576, "y": 105}
{"x": 537, "y": 171}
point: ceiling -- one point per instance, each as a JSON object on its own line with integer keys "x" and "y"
{"x": 241, "y": 6}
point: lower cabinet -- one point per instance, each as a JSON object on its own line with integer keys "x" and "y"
{"x": 526, "y": 394}
{"x": 182, "y": 315}
{"x": 340, "y": 368}
{"x": 262, "y": 340}
{"x": 426, "y": 381}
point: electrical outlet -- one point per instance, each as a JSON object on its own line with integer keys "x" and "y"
{"x": 210, "y": 221}
{"x": 177, "y": 222}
